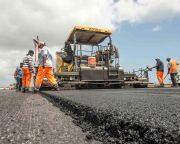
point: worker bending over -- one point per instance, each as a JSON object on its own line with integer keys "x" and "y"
{"x": 159, "y": 71}
{"x": 45, "y": 67}
{"x": 172, "y": 70}
{"x": 27, "y": 71}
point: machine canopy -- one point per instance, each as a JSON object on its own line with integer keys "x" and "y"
{"x": 88, "y": 35}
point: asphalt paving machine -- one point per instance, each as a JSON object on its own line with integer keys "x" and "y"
{"x": 89, "y": 59}
{"x": 178, "y": 79}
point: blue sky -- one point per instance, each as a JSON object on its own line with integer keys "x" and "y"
{"x": 142, "y": 29}
{"x": 140, "y": 45}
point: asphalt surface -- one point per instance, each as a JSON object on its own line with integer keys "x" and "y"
{"x": 31, "y": 119}
{"x": 124, "y": 115}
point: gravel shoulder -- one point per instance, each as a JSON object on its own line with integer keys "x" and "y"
{"x": 30, "y": 118}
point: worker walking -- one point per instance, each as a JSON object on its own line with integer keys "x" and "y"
{"x": 27, "y": 70}
{"x": 18, "y": 77}
{"x": 159, "y": 71}
{"x": 172, "y": 70}
{"x": 45, "y": 67}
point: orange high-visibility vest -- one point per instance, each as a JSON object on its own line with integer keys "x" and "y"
{"x": 173, "y": 66}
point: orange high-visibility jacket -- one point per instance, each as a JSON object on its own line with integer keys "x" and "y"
{"x": 173, "y": 66}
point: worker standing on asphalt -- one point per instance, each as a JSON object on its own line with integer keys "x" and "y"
{"x": 27, "y": 71}
{"x": 45, "y": 67}
{"x": 172, "y": 70}
{"x": 15, "y": 77}
{"x": 18, "y": 77}
{"x": 159, "y": 71}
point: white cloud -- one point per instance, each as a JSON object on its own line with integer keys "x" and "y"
{"x": 146, "y": 10}
{"x": 52, "y": 20}
{"x": 156, "y": 28}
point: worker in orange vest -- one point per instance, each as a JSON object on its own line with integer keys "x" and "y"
{"x": 27, "y": 71}
{"x": 173, "y": 70}
{"x": 45, "y": 67}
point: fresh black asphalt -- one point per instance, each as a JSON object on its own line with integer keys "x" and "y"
{"x": 124, "y": 115}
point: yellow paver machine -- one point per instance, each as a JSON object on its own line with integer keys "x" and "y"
{"x": 89, "y": 59}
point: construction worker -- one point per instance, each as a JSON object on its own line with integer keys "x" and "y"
{"x": 15, "y": 77}
{"x": 27, "y": 70}
{"x": 68, "y": 57}
{"x": 159, "y": 71}
{"x": 172, "y": 70}
{"x": 45, "y": 67}
{"x": 108, "y": 53}
{"x": 18, "y": 77}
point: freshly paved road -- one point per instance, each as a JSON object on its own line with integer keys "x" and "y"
{"x": 158, "y": 109}
{"x": 32, "y": 119}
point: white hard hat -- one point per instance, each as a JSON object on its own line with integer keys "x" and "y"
{"x": 41, "y": 43}
{"x": 157, "y": 58}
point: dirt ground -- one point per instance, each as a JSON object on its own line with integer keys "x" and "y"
{"x": 32, "y": 119}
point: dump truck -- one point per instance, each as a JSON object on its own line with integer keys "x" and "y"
{"x": 89, "y": 59}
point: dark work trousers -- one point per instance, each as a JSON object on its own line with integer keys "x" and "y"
{"x": 173, "y": 78}
{"x": 19, "y": 83}
{"x": 16, "y": 83}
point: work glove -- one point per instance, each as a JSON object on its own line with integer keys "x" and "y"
{"x": 148, "y": 68}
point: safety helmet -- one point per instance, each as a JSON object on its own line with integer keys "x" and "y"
{"x": 30, "y": 52}
{"x": 168, "y": 59}
{"x": 157, "y": 58}
{"x": 41, "y": 44}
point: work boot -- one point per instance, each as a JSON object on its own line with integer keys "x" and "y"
{"x": 162, "y": 84}
{"x": 36, "y": 90}
{"x": 56, "y": 87}
{"x": 26, "y": 89}
{"x": 23, "y": 90}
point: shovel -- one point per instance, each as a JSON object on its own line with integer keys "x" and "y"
{"x": 165, "y": 77}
